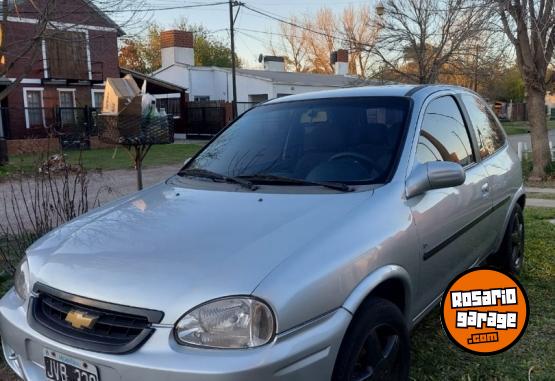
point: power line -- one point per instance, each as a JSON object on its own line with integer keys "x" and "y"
{"x": 169, "y": 8}
{"x": 283, "y": 21}
{"x": 144, "y": 9}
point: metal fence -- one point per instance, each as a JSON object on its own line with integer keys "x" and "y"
{"x": 205, "y": 119}
{"x": 73, "y": 125}
{"x": 171, "y": 105}
{"x": 76, "y": 125}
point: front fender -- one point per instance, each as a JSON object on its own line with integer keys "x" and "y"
{"x": 372, "y": 281}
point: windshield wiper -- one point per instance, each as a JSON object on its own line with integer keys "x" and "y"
{"x": 203, "y": 173}
{"x": 267, "y": 178}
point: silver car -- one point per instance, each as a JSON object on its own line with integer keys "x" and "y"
{"x": 303, "y": 243}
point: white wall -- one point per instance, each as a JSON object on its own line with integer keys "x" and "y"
{"x": 211, "y": 83}
{"x": 177, "y": 75}
{"x": 296, "y": 89}
{"x": 217, "y": 84}
{"x": 252, "y": 86}
{"x": 174, "y": 55}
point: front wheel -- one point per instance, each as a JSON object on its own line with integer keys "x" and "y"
{"x": 376, "y": 345}
{"x": 510, "y": 256}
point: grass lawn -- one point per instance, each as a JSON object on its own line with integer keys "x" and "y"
{"x": 435, "y": 358}
{"x": 514, "y": 128}
{"x": 107, "y": 159}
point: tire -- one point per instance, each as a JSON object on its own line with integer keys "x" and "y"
{"x": 376, "y": 345}
{"x": 510, "y": 256}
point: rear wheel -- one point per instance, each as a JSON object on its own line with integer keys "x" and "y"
{"x": 510, "y": 256}
{"x": 376, "y": 345}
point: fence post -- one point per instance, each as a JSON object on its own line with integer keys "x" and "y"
{"x": 551, "y": 150}
{"x": 519, "y": 150}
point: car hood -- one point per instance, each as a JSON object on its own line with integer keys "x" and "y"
{"x": 171, "y": 248}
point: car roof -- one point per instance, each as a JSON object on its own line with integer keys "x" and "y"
{"x": 371, "y": 91}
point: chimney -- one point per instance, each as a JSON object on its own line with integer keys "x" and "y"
{"x": 177, "y": 47}
{"x": 340, "y": 61}
{"x": 273, "y": 63}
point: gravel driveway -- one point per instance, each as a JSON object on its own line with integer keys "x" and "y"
{"x": 108, "y": 185}
{"x": 114, "y": 184}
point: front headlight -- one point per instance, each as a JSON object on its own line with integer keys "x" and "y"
{"x": 238, "y": 322}
{"x": 21, "y": 279}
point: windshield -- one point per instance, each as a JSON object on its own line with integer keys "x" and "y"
{"x": 347, "y": 140}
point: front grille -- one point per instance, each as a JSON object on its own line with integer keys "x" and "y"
{"x": 117, "y": 329}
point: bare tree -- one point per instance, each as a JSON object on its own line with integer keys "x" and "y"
{"x": 482, "y": 59}
{"x": 419, "y": 37}
{"x": 31, "y": 206}
{"x": 293, "y": 45}
{"x": 308, "y": 43}
{"x": 360, "y": 30}
{"x": 320, "y": 45}
{"x": 530, "y": 26}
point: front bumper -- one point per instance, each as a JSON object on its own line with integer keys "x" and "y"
{"x": 306, "y": 353}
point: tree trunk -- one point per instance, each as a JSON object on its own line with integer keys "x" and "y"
{"x": 139, "y": 166}
{"x": 538, "y": 132}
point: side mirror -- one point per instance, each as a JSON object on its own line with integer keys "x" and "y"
{"x": 434, "y": 175}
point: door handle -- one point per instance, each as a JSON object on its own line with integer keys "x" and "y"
{"x": 485, "y": 189}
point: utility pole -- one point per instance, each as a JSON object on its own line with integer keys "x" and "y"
{"x": 232, "y": 18}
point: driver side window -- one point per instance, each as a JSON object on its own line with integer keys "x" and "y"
{"x": 444, "y": 136}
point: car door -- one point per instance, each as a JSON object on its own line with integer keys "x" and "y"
{"x": 496, "y": 157}
{"x": 449, "y": 220}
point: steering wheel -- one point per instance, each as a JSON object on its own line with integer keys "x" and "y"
{"x": 355, "y": 155}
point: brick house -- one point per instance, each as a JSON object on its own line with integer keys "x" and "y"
{"x": 63, "y": 71}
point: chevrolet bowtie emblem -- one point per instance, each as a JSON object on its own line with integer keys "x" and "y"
{"x": 80, "y": 319}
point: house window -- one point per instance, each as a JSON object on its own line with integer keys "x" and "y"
{"x": 34, "y": 107}
{"x": 202, "y": 98}
{"x": 97, "y": 99}
{"x": 67, "y": 106}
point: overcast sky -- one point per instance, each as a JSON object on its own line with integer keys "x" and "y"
{"x": 249, "y": 44}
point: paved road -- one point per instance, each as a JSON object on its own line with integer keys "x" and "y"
{"x": 538, "y": 203}
{"x": 540, "y": 190}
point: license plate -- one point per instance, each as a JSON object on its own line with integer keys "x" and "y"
{"x": 60, "y": 367}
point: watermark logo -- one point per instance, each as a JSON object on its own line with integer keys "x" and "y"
{"x": 485, "y": 311}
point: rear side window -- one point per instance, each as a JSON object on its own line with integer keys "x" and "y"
{"x": 488, "y": 131}
{"x": 443, "y": 136}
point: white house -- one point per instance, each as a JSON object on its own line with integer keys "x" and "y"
{"x": 253, "y": 86}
